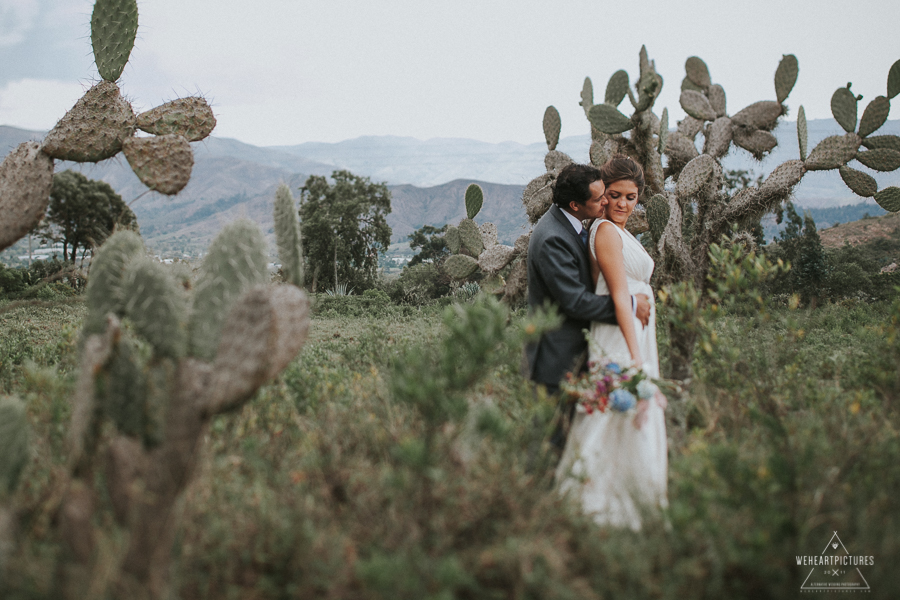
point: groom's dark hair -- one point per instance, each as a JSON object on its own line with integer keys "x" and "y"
{"x": 573, "y": 184}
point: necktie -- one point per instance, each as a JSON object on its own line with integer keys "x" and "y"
{"x": 584, "y": 236}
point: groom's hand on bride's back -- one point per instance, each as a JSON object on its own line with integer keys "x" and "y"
{"x": 642, "y": 308}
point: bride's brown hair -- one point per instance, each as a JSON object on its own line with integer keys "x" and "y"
{"x": 622, "y": 168}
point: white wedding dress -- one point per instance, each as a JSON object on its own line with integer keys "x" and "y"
{"x": 619, "y": 471}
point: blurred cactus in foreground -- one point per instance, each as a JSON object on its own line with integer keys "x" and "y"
{"x": 101, "y": 124}
{"x": 690, "y": 214}
{"x": 158, "y": 362}
{"x": 474, "y": 249}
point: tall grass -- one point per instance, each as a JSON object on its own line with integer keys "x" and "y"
{"x": 319, "y": 487}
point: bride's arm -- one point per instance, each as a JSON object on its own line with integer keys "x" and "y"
{"x": 608, "y": 246}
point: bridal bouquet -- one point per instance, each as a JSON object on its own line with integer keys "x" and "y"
{"x": 606, "y": 386}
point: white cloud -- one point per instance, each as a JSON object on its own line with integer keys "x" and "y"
{"x": 17, "y": 17}
{"x": 37, "y": 103}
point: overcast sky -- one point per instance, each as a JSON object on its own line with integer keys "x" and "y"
{"x": 292, "y": 71}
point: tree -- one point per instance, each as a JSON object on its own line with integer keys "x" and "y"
{"x": 799, "y": 244}
{"x": 83, "y": 213}
{"x": 344, "y": 228}
{"x": 432, "y": 243}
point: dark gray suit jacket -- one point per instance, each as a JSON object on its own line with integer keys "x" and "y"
{"x": 559, "y": 272}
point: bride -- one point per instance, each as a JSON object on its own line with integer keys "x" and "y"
{"x": 616, "y": 463}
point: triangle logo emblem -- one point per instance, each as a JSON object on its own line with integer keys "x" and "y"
{"x": 834, "y": 570}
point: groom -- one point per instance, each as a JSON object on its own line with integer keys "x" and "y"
{"x": 559, "y": 272}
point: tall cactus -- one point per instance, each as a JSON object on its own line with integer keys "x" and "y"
{"x": 475, "y": 249}
{"x": 208, "y": 353}
{"x": 287, "y": 236}
{"x": 681, "y": 244}
{"x": 100, "y": 125}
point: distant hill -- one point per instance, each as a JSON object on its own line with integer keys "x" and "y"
{"x": 427, "y": 179}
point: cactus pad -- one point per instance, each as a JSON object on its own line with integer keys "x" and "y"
{"x": 488, "y": 235}
{"x": 555, "y": 160}
{"x": 802, "y": 132}
{"x": 264, "y": 330}
{"x": 718, "y": 137}
{"x": 832, "y": 152}
{"x": 882, "y": 141}
{"x": 495, "y": 258}
{"x": 697, "y": 105}
{"x": 460, "y": 266}
{"x": 474, "y": 200}
{"x": 26, "y": 179}
{"x": 716, "y": 95}
{"x": 861, "y": 183}
{"x": 697, "y": 72}
{"x": 786, "y": 77}
{"x": 94, "y": 129}
{"x": 759, "y": 115}
{"x": 874, "y": 116}
{"x": 844, "y": 107}
{"x": 236, "y": 262}
{"x": 162, "y": 163}
{"x": 608, "y": 119}
{"x": 103, "y": 294}
{"x": 657, "y": 215}
{"x": 287, "y": 236}
{"x": 889, "y": 199}
{"x": 470, "y": 236}
{"x": 552, "y": 126}
{"x": 880, "y": 159}
{"x": 516, "y": 281}
{"x": 13, "y": 443}
{"x": 616, "y": 88}
{"x": 893, "y": 82}
{"x": 122, "y": 390}
{"x": 687, "y": 84}
{"x": 695, "y": 177}
{"x": 521, "y": 245}
{"x": 587, "y": 95}
{"x": 114, "y": 25}
{"x": 191, "y": 118}
{"x": 756, "y": 142}
{"x": 451, "y": 238}
{"x": 538, "y": 196}
{"x": 157, "y": 306}
{"x": 680, "y": 148}
{"x": 663, "y": 131}
{"x": 782, "y": 180}
{"x": 689, "y": 127}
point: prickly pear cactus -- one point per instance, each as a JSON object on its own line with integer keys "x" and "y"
{"x": 100, "y": 125}
{"x": 287, "y": 236}
{"x": 158, "y": 364}
{"x": 680, "y": 244}
{"x": 475, "y": 250}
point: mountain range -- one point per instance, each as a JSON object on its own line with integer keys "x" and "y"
{"x": 427, "y": 179}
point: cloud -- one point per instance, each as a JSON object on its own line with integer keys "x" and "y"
{"x": 17, "y": 17}
{"x": 37, "y": 103}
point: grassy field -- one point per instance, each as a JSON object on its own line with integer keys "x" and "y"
{"x": 321, "y": 486}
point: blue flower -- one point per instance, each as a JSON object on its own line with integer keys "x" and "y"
{"x": 614, "y": 367}
{"x": 622, "y": 400}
